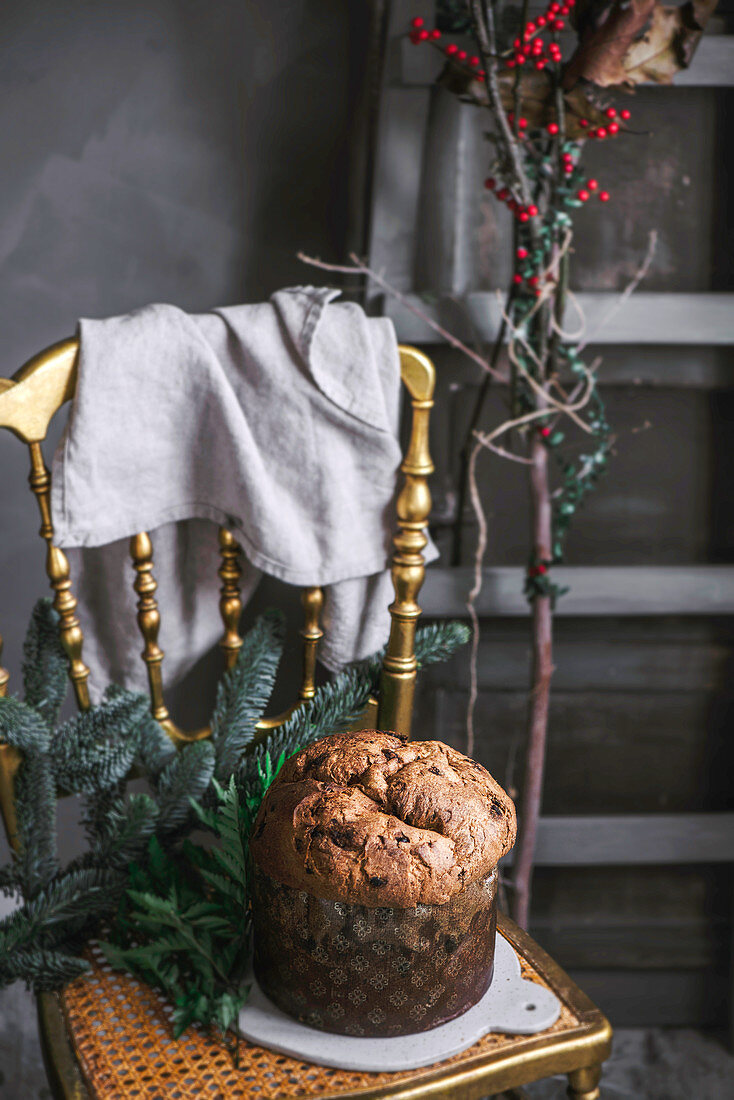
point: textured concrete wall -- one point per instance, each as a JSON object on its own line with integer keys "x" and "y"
{"x": 156, "y": 150}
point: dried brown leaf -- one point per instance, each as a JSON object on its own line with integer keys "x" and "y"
{"x": 606, "y": 34}
{"x": 669, "y": 43}
{"x": 536, "y": 97}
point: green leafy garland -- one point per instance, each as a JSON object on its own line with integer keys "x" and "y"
{"x": 580, "y": 473}
{"x": 165, "y": 891}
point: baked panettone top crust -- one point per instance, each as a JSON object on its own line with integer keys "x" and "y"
{"x": 370, "y": 819}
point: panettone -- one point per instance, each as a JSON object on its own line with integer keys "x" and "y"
{"x": 375, "y": 883}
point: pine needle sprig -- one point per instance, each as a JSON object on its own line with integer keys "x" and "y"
{"x": 96, "y": 748}
{"x": 244, "y": 692}
{"x": 187, "y": 776}
{"x": 24, "y": 728}
{"x": 44, "y": 670}
{"x": 438, "y": 641}
{"x": 41, "y": 970}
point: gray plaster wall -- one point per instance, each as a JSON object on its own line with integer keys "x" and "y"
{"x": 155, "y": 150}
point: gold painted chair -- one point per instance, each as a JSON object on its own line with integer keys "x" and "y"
{"x": 107, "y": 1035}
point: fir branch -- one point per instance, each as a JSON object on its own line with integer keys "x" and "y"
{"x": 44, "y": 664}
{"x": 186, "y": 777}
{"x": 120, "y": 831}
{"x": 9, "y": 882}
{"x": 41, "y": 970}
{"x": 244, "y": 691}
{"x": 438, "y": 641}
{"x": 155, "y": 747}
{"x": 35, "y": 794}
{"x": 95, "y": 750}
{"x": 333, "y": 707}
{"x": 59, "y": 917}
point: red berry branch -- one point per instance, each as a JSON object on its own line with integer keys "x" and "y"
{"x": 541, "y": 115}
{"x": 544, "y": 109}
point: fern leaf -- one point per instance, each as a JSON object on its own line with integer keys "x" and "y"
{"x": 44, "y": 664}
{"x": 225, "y": 885}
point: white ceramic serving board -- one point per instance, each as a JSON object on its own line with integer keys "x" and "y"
{"x": 511, "y": 1005}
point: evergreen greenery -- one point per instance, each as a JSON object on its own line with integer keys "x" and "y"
{"x": 182, "y": 921}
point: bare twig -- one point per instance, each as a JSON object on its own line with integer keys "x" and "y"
{"x": 474, "y": 425}
{"x": 542, "y": 672}
{"x": 527, "y": 418}
{"x": 484, "y": 29}
{"x": 542, "y": 391}
{"x": 496, "y": 449}
{"x": 563, "y": 334}
{"x": 476, "y": 588}
{"x": 358, "y": 267}
{"x": 631, "y": 287}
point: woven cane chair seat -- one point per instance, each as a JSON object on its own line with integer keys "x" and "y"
{"x": 109, "y": 1035}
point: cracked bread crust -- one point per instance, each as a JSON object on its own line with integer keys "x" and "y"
{"x": 369, "y": 819}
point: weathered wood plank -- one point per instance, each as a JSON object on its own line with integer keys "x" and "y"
{"x": 587, "y": 661}
{"x": 655, "y": 945}
{"x": 647, "y": 318}
{"x": 608, "y": 752}
{"x": 594, "y": 590}
{"x": 672, "y": 998}
{"x": 635, "y": 840}
{"x": 712, "y": 65}
{"x": 668, "y": 365}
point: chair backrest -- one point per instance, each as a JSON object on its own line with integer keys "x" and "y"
{"x": 29, "y": 400}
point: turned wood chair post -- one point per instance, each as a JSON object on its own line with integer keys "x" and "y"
{"x": 312, "y": 602}
{"x": 230, "y": 601}
{"x": 149, "y": 620}
{"x": 583, "y": 1084}
{"x": 399, "y": 666}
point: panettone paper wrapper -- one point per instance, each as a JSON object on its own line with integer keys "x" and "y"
{"x": 362, "y": 971}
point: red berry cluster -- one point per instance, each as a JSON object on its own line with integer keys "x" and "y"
{"x": 609, "y": 129}
{"x": 584, "y": 193}
{"x": 522, "y": 213}
{"x": 531, "y": 48}
{"x": 526, "y": 278}
{"x": 420, "y": 33}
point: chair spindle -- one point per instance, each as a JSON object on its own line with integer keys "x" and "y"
{"x": 312, "y": 601}
{"x": 149, "y": 620}
{"x": 57, "y": 568}
{"x": 230, "y": 603}
{"x": 399, "y": 665}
